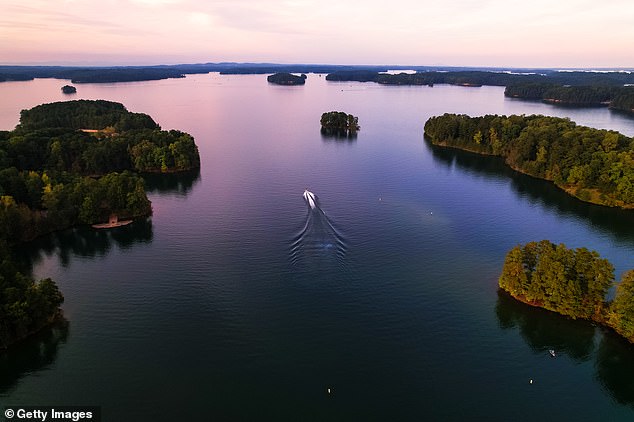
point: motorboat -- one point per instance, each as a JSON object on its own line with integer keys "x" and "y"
{"x": 310, "y": 198}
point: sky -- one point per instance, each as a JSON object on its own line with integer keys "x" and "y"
{"x": 513, "y": 33}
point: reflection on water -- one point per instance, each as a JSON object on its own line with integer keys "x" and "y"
{"x": 85, "y": 242}
{"x": 174, "y": 183}
{"x": 615, "y": 367}
{"x": 543, "y": 330}
{"x": 338, "y": 136}
{"x": 40, "y": 351}
{"x": 616, "y": 221}
{"x": 400, "y": 329}
{"x": 34, "y": 354}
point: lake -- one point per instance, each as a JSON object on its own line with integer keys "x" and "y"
{"x": 238, "y": 301}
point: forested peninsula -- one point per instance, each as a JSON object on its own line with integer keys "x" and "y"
{"x": 593, "y": 165}
{"x": 66, "y": 164}
{"x": 572, "y": 282}
{"x": 575, "y": 89}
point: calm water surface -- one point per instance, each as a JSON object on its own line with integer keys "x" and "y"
{"x": 237, "y": 301}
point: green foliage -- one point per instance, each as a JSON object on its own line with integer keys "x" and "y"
{"x": 160, "y": 151}
{"x": 528, "y": 91}
{"x": 624, "y": 100}
{"x": 595, "y": 165}
{"x": 54, "y": 176}
{"x": 581, "y": 95}
{"x": 571, "y": 282}
{"x": 338, "y": 122}
{"x": 83, "y": 114}
{"x": 621, "y": 316}
{"x": 596, "y": 95}
{"x": 129, "y": 141}
{"x": 25, "y": 305}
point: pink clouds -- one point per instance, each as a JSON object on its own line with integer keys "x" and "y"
{"x": 453, "y": 32}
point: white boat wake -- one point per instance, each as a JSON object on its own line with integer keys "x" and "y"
{"x": 319, "y": 238}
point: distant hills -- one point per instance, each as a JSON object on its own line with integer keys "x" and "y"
{"x": 82, "y": 74}
{"x": 613, "y": 88}
{"x": 96, "y": 74}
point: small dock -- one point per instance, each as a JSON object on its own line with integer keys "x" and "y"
{"x": 113, "y": 222}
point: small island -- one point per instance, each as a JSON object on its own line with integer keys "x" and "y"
{"x": 571, "y": 282}
{"x": 69, "y": 89}
{"x": 594, "y": 165}
{"x": 67, "y": 164}
{"x": 286, "y": 79}
{"x": 338, "y": 123}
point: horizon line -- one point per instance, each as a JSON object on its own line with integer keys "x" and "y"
{"x": 389, "y": 66}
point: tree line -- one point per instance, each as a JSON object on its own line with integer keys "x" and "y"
{"x": 572, "y": 282}
{"x": 66, "y": 164}
{"x": 472, "y": 77}
{"x": 582, "y": 89}
{"x": 546, "y": 77}
{"x": 594, "y": 165}
{"x": 94, "y": 138}
{"x": 616, "y": 97}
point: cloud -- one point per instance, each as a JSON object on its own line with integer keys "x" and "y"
{"x": 352, "y": 31}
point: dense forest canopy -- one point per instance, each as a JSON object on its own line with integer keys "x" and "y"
{"x": 83, "y": 114}
{"x": 72, "y": 163}
{"x": 616, "y": 97}
{"x": 572, "y": 282}
{"x": 25, "y": 304}
{"x": 594, "y": 165}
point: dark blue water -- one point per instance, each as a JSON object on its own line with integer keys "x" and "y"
{"x": 238, "y": 301}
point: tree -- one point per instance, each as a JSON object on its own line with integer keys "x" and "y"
{"x": 594, "y": 165}
{"x": 339, "y": 123}
{"x": 571, "y": 282}
{"x": 622, "y": 308}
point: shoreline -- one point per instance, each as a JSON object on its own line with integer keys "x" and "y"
{"x": 570, "y": 190}
{"x": 601, "y": 320}
{"x": 57, "y": 317}
{"x": 111, "y": 225}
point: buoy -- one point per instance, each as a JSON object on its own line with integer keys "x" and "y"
{"x": 329, "y": 391}
{"x": 530, "y": 382}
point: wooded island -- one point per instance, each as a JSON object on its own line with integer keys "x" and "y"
{"x": 286, "y": 79}
{"x": 338, "y": 123}
{"x": 66, "y": 164}
{"x": 69, "y": 89}
{"x": 572, "y": 282}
